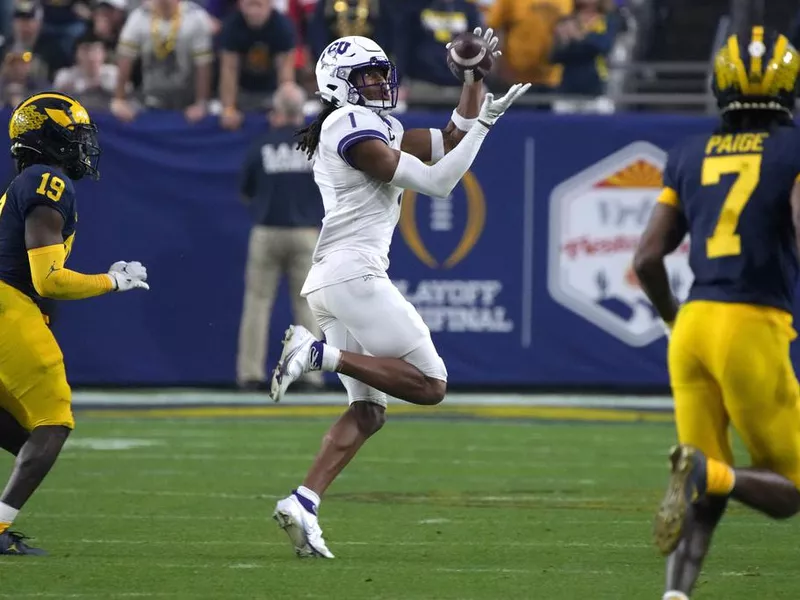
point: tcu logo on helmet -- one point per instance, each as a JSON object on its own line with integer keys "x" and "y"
{"x": 338, "y": 48}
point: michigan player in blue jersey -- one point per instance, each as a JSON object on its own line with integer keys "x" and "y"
{"x": 736, "y": 192}
{"x": 53, "y": 143}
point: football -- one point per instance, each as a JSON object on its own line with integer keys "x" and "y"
{"x": 469, "y": 57}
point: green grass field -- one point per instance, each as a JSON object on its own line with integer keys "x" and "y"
{"x": 432, "y": 509}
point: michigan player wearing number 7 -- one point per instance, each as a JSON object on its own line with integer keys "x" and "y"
{"x": 737, "y": 193}
{"x": 375, "y": 339}
{"x": 53, "y": 143}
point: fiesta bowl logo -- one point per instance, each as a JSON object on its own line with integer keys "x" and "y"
{"x": 596, "y": 219}
{"x": 444, "y": 222}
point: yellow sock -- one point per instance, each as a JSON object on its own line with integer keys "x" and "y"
{"x": 7, "y": 516}
{"x": 720, "y": 478}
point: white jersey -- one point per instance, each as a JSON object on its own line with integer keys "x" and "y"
{"x": 361, "y": 212}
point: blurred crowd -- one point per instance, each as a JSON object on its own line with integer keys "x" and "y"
{"x": 227, "y": 57}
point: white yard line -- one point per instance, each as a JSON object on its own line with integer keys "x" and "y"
{"x": 393, "y": 543}
{"x": 340, "y": 566}
{"x": 354, "y": 496}
{"x": 545, "y": 570}
{"x": 148, "y": 517}
{"x": 90, "y": 595}
{"x": 164, "y": 493}
{"x": 540, "y": 571}
{"x": 264, "y": 516}
{"x": 553, "y": 464}
{"x": 413, "y": 544}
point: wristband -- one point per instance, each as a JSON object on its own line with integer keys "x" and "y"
{"x": 462, "y": 123}
{"x": 437, "y": 145}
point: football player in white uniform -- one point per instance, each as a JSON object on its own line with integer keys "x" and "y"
{"x": 374, "y": 338}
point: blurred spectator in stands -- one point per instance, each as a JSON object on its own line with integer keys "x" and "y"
{"x": 583, "y": 41}
{"x": 63, "y": 23}
{"x": 484, "y": 5}
{"x": 421, "y": 31}
{"x": 526, "y": 28}
{"x": 108, "y": 20}
{"x": 219, "y": 10}
{"x": 338, "y": 18}
{"x": 26, "y": 25}
{"x": 173, "y": 40}
{"x": 16, "y": 80}
{"x": 286, "y": 206}
{"x": 91, "y": 79}
{"x": 6, "y": 19}
{"x": 257, "y": 55}
{"x": 301, "y": 12}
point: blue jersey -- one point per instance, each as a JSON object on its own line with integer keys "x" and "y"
{"x": 278, "y": 181}
{"x": 36, "y": 186}
{"x": 734, "y": 192}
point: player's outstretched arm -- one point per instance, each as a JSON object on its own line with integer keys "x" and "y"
{"x": 663, "y": 235}
{"x": 47, "y": 254}
{"x": 404, "y": 170}
{"x": 432, "y": 144}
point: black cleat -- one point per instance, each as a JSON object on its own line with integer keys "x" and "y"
{"x": 687, "y": 484}
{"x": 12, "y": 543}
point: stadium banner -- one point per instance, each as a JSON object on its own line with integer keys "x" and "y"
{"x": 523, "y": 274}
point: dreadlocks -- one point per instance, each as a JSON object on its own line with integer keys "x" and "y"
{"x": 764, "y": 120}
{"x": 309, "y": 136}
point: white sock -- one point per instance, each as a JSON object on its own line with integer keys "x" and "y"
{"x": 309, "y": 495}
{"x": 7, "y": 513}
{"x": 330, "y": 362}
{"x": 673, "y": 595}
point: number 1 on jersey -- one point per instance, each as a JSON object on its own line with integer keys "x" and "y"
{"x": 725, "y": 241}
{"x": 52, "y": 191}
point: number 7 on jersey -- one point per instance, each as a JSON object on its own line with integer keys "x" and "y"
{"x": 725, "y": 241}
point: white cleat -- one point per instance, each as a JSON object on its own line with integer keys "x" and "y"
{"x": 302, "y": 527}
{"x": 294, "y": 361}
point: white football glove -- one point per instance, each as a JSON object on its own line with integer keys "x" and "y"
{"x": 489, "y": 37}
{"x": 493, "y": 109}
{"x": 128, "y": 276}
{"x": 491, "y": 40}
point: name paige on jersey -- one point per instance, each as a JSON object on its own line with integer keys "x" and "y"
{"x": 736, "y": 143}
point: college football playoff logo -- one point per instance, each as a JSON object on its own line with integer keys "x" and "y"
{"x": 475, "y": 221}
